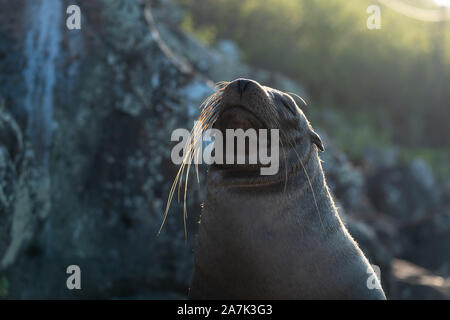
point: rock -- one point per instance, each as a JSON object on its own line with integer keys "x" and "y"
{"x": 410, "y": 198}
{"x": 98, "y": 201}
{"x": 377, "y": 254}
{"x": 24, "y": 198}
{"x": 414, "y": 282}
{"x": 379, "y": 158}
{"x": 406, "y": 192}
{"x": 346, "y": 181}
{"x": 429, "y": 242}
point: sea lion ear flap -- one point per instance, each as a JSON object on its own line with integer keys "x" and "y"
{"x": 316, "y": 140}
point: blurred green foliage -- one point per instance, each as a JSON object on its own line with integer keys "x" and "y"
{"x": 352, "y": 133}
{"x": 4, "y": 287}
{"x": 395, "y": 76}
{"x": 438, "y": 160}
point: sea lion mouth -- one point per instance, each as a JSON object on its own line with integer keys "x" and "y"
{"x": 235, "y": 118}
{"x": 238, "y": 117}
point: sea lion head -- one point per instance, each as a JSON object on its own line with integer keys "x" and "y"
{"x": 246, "y": 104}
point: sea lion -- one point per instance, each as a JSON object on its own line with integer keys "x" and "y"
{"x": 274, "y": 236}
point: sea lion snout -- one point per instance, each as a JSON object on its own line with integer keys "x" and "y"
{"x": 247, "y": 94}
{"x": 242, "y": 85}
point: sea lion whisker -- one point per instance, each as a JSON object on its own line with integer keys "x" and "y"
{"x": 297, "y": 96}
{"x": 285, "y": 166}
{"x": 209, "y": 111}
{"x": 169, "y": 200}
{"x": 180, "y": 183}
{"x": 197, "y": 155}
{"x": 222, "y": 84}
{"x": 208, "y": 99}
{"x": 188, "y": 158}
{"x": 205, "y": 117}
{"x": 196, "y": 166}
{"x": 184, "y": 204}
{"x": 310, "y": 185}
{"x": 196, "y": 133}
{"x": 177, "y": 181}
{"x": 183, "y": 165}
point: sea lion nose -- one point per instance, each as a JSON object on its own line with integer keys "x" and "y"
{"x": 243, "y": 85}
{"x": 244, "y": 92}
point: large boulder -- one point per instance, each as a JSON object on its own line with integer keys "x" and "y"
{"x": 346, "y": 181}
{"x": 414, "y": 282}
{"x": 407, "y": 192}
{"x": 96, "y": 108}
{"x": 430, "y": 241}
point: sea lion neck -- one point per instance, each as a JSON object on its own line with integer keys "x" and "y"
{"x": 247, "y": 222}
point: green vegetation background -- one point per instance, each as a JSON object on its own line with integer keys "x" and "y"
{"x": 386, "y": 86}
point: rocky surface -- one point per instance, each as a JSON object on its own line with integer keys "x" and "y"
{"x": 98, "y": 200}
{"x": 85, "y": 168}
{"x": 394, "y": 209}
{"x": 414, "y": 282}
